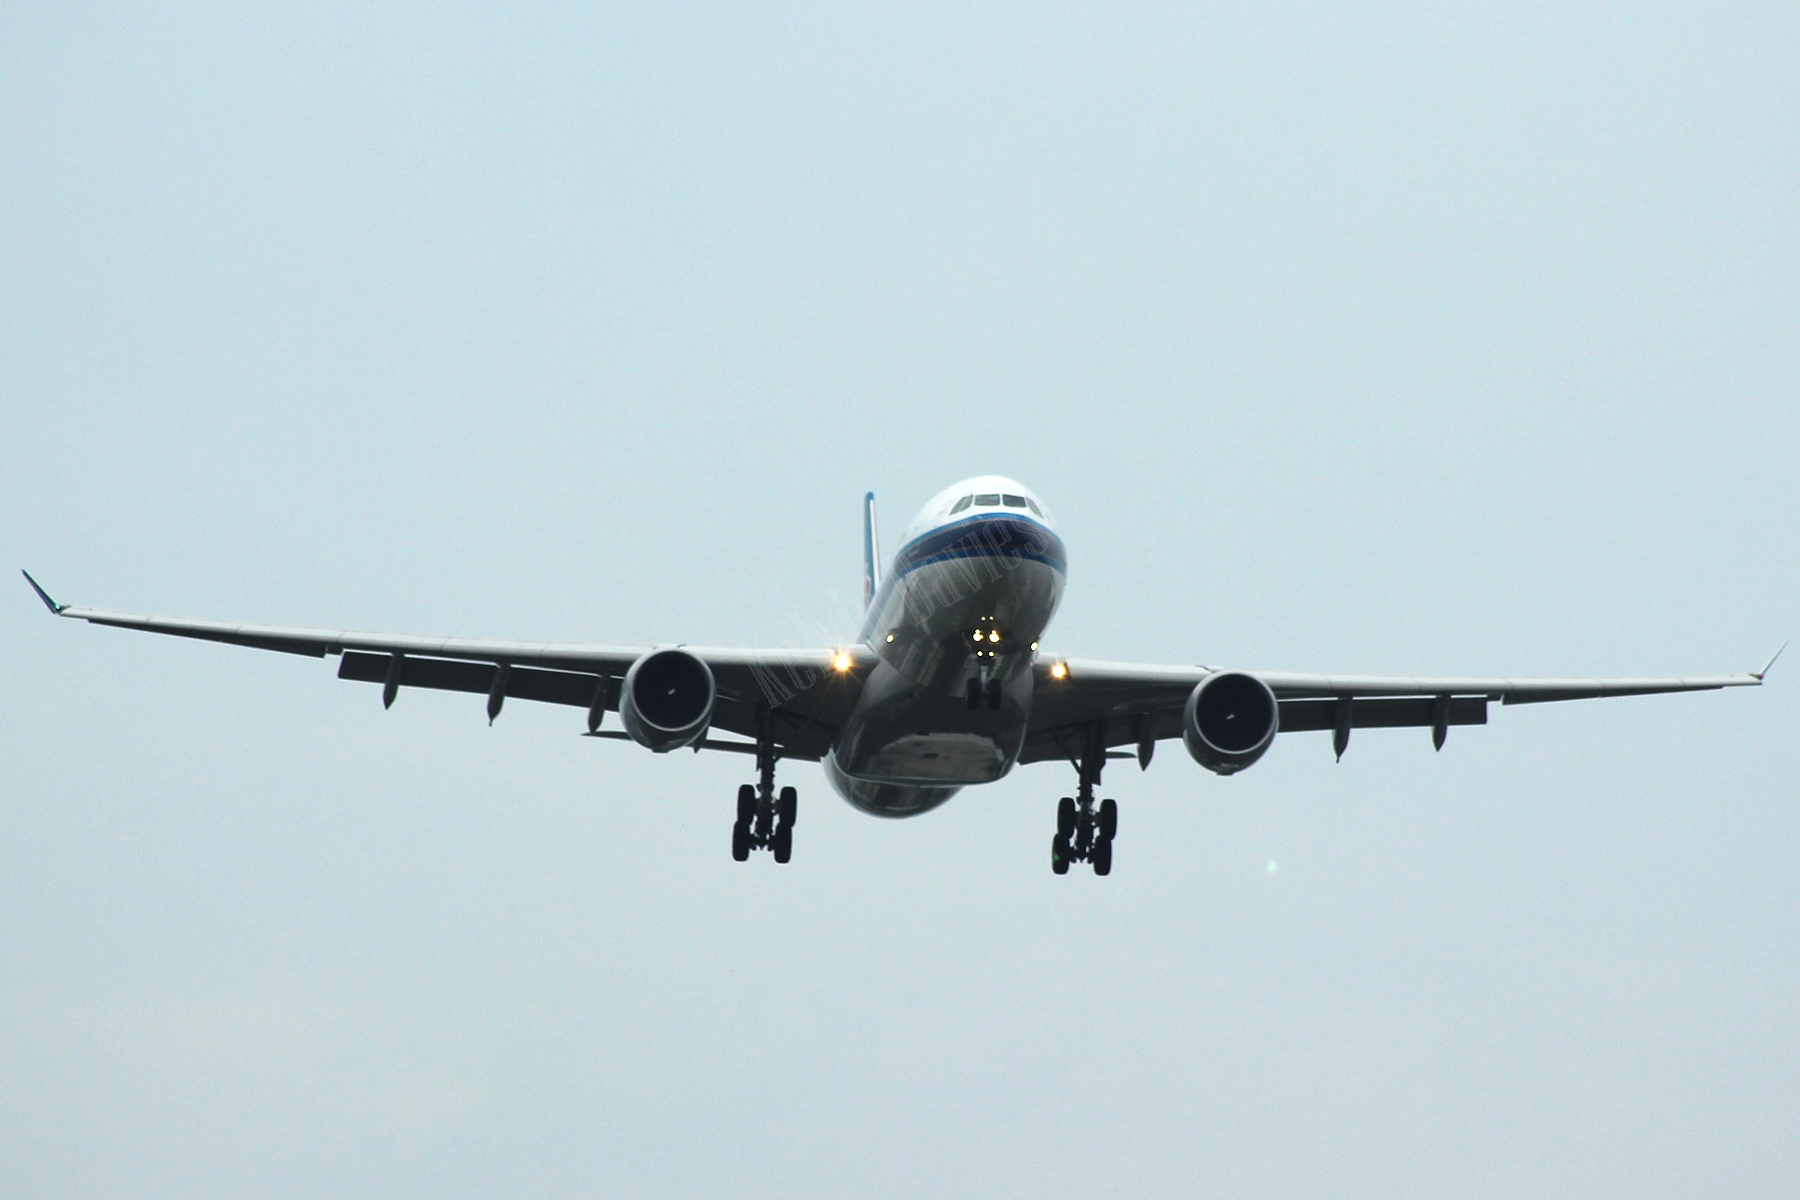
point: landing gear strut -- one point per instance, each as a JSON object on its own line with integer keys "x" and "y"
{"x": 765, "y": 819}
{"x": 978, "y": 692}
{"x": 1084, "y": 832}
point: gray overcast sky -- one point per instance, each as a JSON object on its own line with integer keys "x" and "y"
{"x": 1391, "y": 339}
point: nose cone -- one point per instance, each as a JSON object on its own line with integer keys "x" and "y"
{"x": 984, "y": 493}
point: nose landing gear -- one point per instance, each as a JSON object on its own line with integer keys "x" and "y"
{"x": 1084, "y": 831}
{"x": 765, "y": 819}
{"x": 976, "y": 692}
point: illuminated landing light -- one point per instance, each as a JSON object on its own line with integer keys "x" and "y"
{"x": 841, "y": 662}
{"x": 1034, "y": 645}
{"x": 890, "y": 637}
{"x": 1059, "y": 670}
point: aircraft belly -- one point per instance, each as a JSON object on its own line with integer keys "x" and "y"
{"x": 905, "y": 732}
{"x": 885, "y": 799}
{"x": 937, "y": 758}
{"x": 914, "y": 738}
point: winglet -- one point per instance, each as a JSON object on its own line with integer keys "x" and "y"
{"x": 50, "y": 604}
{"x": 1757, "y": 675}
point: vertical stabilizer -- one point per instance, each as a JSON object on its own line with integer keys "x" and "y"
{"x": 871, "y": 552}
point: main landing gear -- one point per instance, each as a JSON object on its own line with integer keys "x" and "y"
{"x": 1084, "y": 832}
{"x": 765, "y": 819}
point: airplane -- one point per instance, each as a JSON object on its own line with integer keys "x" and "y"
{"x": 946, "y": 686}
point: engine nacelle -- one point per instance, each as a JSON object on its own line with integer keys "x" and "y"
{"x": 1230, "y": 720}
{"x": 667, "y": 700}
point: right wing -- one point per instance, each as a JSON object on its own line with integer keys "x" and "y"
{"x": 1140, "y": 705}
{"x": 804, "y": 693}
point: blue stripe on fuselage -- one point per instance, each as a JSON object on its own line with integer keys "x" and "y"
{"x": 988, "y": 535}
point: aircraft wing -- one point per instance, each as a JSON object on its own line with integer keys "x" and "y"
{"x": 806, "y": 694}
{"x": 1143, "y": 704}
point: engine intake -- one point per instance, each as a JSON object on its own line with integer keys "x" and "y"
{"x": 1230, "y": 720}
{"x": 667, "y": 701}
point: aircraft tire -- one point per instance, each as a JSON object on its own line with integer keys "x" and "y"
{"x": 784, "y": 843}
{"x": 788, "y": 806}
{"x": 746, "y": 804}
{"x": 1059, "y": 854}
{"x": 1065, "y": 817}
{"x": 1109, "y": 819}
{"x": 740, "y": 841}
{"x": 1102, "y": 856}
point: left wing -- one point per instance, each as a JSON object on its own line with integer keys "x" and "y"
{"x": 1140, "y": 705}
{"x": 806, "y": 693}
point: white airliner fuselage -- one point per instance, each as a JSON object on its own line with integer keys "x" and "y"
{"x": 955, "y": 624}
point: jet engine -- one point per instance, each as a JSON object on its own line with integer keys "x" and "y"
{"x": 667, "y": 701}
{"x": 1229, "y": 722}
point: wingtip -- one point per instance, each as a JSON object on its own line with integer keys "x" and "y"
{"x": 1758, "y": 675}
{"x": 50, "y": 604}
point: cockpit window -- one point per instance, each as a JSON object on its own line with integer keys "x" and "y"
{"x": 1033, "y": 505}
{"x": 962, "y": 504}
{"x": 987, "y": 500}
{"x": 1014, "y": 501}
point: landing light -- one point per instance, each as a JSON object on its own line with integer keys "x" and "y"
{"x": 1059, "y": 670}
{"x": 841, "y": 662}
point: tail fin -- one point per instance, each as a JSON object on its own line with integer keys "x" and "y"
{"x": 871, "y": 552}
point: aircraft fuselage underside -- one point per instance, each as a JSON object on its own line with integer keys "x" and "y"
{"x": 956, "y": 626}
